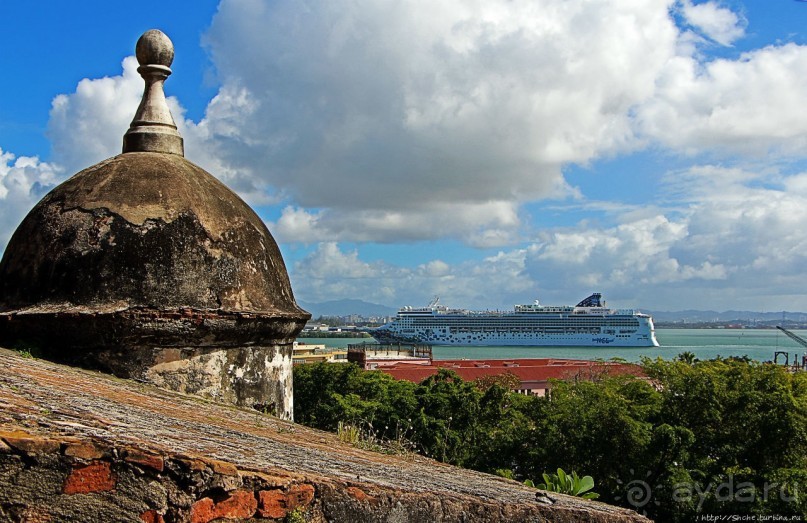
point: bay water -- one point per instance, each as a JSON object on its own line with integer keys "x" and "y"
{"x": 757, "y": 344}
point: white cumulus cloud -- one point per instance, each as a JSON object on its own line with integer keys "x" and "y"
{"x": 23, "y": 181}
{"x": 718, "y": 23}
{"x": 751, "y": 106}
{"x": 87, "y": 126}
{"x": 391, "y": 114}
{"x": 487, "y": 224}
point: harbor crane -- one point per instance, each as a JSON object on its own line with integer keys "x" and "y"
{"x": 798, "y": 339}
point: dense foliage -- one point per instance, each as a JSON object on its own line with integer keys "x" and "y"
{"x": 699, "y": 437}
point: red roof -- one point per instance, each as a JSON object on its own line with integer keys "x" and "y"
{"x": 533, "y": 373}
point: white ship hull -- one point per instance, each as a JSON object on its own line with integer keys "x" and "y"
{"x": 589, "y": 324}
{"x": 539, "y": 340}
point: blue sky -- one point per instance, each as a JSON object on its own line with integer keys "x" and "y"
{"x": 489, "y": 152}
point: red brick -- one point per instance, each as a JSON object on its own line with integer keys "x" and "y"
{"x": 145, "y": 459}
{"x": 202, "y": 511}
{"x": 32, "y": 444}
{"x": 195, "y": 465}
{"x": 152, "y": 516}
{"x": 95, "y": 477}
{"x": 276, "y": 503}
{"x": 83, "y": 450}
{"x": 272, "y": 504}
{"x": 300, "y": 495}
{"x": 357, "y": 493}
{"x": 241, "y": 504}
{"x": 222, "y": 467}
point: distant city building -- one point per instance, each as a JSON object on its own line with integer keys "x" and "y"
{"x": 314, "y": 326}
{"x": 316, "y": 352}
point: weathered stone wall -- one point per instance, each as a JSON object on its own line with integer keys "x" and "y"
{"x": 256, "y": 377}
{"x": 255, "y": 374}
{"x": 77, "y": 445}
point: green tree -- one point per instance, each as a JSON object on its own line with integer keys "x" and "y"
{"x": 506, "y": 432}
{"x": 447, "y": 421}
{"x": 604, "y": 428}
{"x": 748, "y": 423}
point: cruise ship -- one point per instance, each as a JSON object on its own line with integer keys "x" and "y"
{"x": 588, "y": 324}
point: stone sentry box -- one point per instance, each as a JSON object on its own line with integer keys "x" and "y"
{"x": 148, "y": 267}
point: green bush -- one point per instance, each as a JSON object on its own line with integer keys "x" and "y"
{"x": 573, "y": 485}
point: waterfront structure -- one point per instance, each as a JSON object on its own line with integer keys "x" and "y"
{"x": 589, "y": 323}
{"x": 148, "y": 267}
{"x": 796, "y": 366}
{"x": 369, "y": 355}
{"x": 316, "y": 352}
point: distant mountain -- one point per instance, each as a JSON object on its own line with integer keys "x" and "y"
{"x": 346, "y": 308}
{"x": 695, "y": 316}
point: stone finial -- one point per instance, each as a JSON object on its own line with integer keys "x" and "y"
{"x": 153, "y": 128}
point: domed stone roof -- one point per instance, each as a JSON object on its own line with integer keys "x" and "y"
{"x": 145, "y": 248}
{"x": 144, "y": 229}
